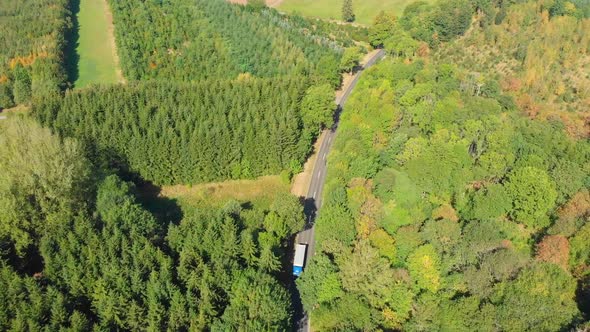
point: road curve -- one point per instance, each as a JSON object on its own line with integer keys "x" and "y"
{"x": 313, "y": 200}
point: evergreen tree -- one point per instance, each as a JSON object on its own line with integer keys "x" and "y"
{"x": 347, "y": 11}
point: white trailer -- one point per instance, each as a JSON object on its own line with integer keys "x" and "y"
{"x": 299, "y": 260}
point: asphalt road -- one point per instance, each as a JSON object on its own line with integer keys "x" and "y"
{"x": 313, "y": 200}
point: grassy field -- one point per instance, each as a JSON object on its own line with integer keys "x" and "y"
{"x": 97, "y": 62}
{"x": 365, "y": 10}
{"x": 261, "y": 191}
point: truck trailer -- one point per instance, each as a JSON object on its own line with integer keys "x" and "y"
{"x": 299, "y": 260}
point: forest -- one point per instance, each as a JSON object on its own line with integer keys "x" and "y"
{"x": 32, "y": 54}
{"x": 181, "y": 41}
{"x": 458, "y": 189}
{"x": 538, "y": 52}
{"x": 456, "y": 210}
{"x": 171, "y": 133}
{"x": 247, "y": 102}
{"x": 80, "y": 253}
{"x": 82, "y": 248}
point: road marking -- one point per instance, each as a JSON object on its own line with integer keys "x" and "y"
{"x": 329, "y": 139}
{"x": 319, "y": 173}
{"x": 324, "y": 156}
{"x": 314, "y": 194}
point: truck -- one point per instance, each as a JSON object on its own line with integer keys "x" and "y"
{"x": 299, "y": 260}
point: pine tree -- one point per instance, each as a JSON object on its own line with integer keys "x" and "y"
{"x": 347, "y": 11}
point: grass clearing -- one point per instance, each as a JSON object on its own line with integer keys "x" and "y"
{"x": 365, "y": 10}
{"x": 261, "y": 191}
{"x": 97, "y": 56}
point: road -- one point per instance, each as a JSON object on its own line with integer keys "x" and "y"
{"x": 313, "y": 200}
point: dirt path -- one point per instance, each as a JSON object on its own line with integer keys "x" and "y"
{"x": 111, "y": 32}
{"x": 274, "y": 3}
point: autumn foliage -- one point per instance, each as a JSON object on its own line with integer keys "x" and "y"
{"x": 554, "y": 249}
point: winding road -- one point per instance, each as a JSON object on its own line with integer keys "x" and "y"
{"x": 313, "y": 200}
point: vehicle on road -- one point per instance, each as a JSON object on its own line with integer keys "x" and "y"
{"x": 299, "y": 260}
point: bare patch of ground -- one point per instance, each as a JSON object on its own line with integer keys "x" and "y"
{"x": 274, "y": 3}
{"x": 19, "y": 109}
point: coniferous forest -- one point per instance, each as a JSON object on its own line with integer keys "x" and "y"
{"x": 79, "y": 250}
{"x": 190, "y": 40}
{"x": 457, "y": 188}
{"x": 80, "y": 253}
{"x": 190, "y": 132}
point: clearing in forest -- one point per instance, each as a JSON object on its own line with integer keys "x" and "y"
{"x": 260, "y": 191}
{"x": 365, "y": 10}
{"x": 98, "y": 62}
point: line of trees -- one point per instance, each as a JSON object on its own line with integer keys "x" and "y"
{"x": 79, "y": 252}
{"x": 173, "y": 133}
{"x": 32, "y": 49}
{"x": 454, "y": 211}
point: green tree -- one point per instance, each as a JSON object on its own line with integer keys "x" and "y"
{"x": 317, "y": 107}
{"x": 5, "y": 96}
{"x": 366, "y": 274}
{"x": 43, "y": 182}
{"x": 350, "y": 59}
{"x": 452, "y": 18}
{"x": 257, "y": 303}
{"x": 569, "y": 177}
{"x": 489, "y": 203}
{"x": 541, "y": 298}
{"x": 320, "y": 283}
{"x": 424, "y": 267}
{"x": 347, "y": 11}
{"x": 580, "y": 247}
{"x": 384, "y": 27}
{"x": 533, "y": 195}
{"x": 22, "y": 90}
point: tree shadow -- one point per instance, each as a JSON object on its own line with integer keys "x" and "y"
{"x": 583, "y": 296}
{"x": 309, "y": 210}
{"x": 336, "y": 118}
{"x": 165, "y": 210}
{"x": 299, "y": 316}
{"x": 72, "y": 58}
{"x": 109, "y": 161}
